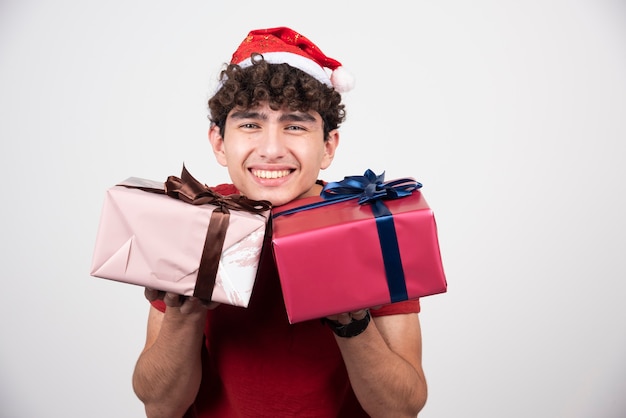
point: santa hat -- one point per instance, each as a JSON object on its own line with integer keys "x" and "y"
{"x": 285, "y": 46}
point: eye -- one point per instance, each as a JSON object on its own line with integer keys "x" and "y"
{"x": 249, "y": 126}
{"x": 295, "y": 128}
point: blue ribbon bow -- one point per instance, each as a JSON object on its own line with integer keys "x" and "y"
{"x": 368, "y": 188}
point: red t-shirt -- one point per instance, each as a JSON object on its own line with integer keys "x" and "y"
{"x": 257, "y": 364}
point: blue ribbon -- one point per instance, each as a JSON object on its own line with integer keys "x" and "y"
{"x": 372, "y": 189}
{"x": 368, "y": 188}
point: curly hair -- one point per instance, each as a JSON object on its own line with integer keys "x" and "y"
{"x": 281, "y": 86}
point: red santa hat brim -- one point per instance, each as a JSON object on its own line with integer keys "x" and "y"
{"x": 283, "y": 45}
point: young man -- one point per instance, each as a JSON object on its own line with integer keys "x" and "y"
{"x": 274, "y": 125}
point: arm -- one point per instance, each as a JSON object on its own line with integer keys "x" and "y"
{"x": 168, "y": 372}
{"x": 384, "y": 364}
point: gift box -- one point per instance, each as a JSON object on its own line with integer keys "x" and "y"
{"x": 179, "y": 236}
{"x": 362, "y": 243}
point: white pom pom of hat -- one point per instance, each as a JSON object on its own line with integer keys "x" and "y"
{"x": 283, "y": 45}
{"x": 342, "y": 80}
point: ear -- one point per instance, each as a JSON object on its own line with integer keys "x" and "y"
{"x": 330, "y": 146}
{"x": 217, "y": 144}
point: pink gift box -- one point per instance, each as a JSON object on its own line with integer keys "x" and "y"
{"x": 154, "y": 240}
{"x": 330, "y": 259}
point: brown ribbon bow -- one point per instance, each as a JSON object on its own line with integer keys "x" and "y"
{"x": 189, "y": 190}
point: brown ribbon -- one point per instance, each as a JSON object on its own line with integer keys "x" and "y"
{"x": 189, "y": 190}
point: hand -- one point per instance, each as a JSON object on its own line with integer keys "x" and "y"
{"x": 186, "y": 304}
{"x": 347, "y": 317}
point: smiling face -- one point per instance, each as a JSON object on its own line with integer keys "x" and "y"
{"x": 274, "y": 155}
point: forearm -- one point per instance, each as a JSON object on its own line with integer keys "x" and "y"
{"x": 385, "y": 383}
{"x": 168, "y": 373}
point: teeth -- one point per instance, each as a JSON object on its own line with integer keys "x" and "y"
{"x": 270, "y": 174}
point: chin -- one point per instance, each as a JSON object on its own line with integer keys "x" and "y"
{"x": 270, "y": 197}
{"x": 281, "y": 202}
{"x": 277, "y": 196}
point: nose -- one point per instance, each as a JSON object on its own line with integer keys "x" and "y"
{"x": 271, "y": 145}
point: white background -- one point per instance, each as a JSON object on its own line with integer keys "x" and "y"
{"x": 511, "y": 113}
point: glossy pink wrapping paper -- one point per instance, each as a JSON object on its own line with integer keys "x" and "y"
{"x": 330, "y": 259}
{"x": 153, "y": 240}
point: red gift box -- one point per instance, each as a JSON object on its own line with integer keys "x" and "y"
{"x": 345, "y": 256}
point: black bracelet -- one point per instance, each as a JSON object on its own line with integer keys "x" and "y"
{"x": 351, "y": 329}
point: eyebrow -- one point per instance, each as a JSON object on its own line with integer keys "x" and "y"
{"x": 248, "y": 114}
{"x": 296, "y": 117}
{"x": 284, "y": 117}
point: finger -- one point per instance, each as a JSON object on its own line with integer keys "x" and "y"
{"x": 174, "y": 300}
{"x": 209, "y": 304}
{"x": 153, "y": 294}
{"x": 358, "y": 315}
{"x": 190, "y": 305}
{"x": 344, "y": 318}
